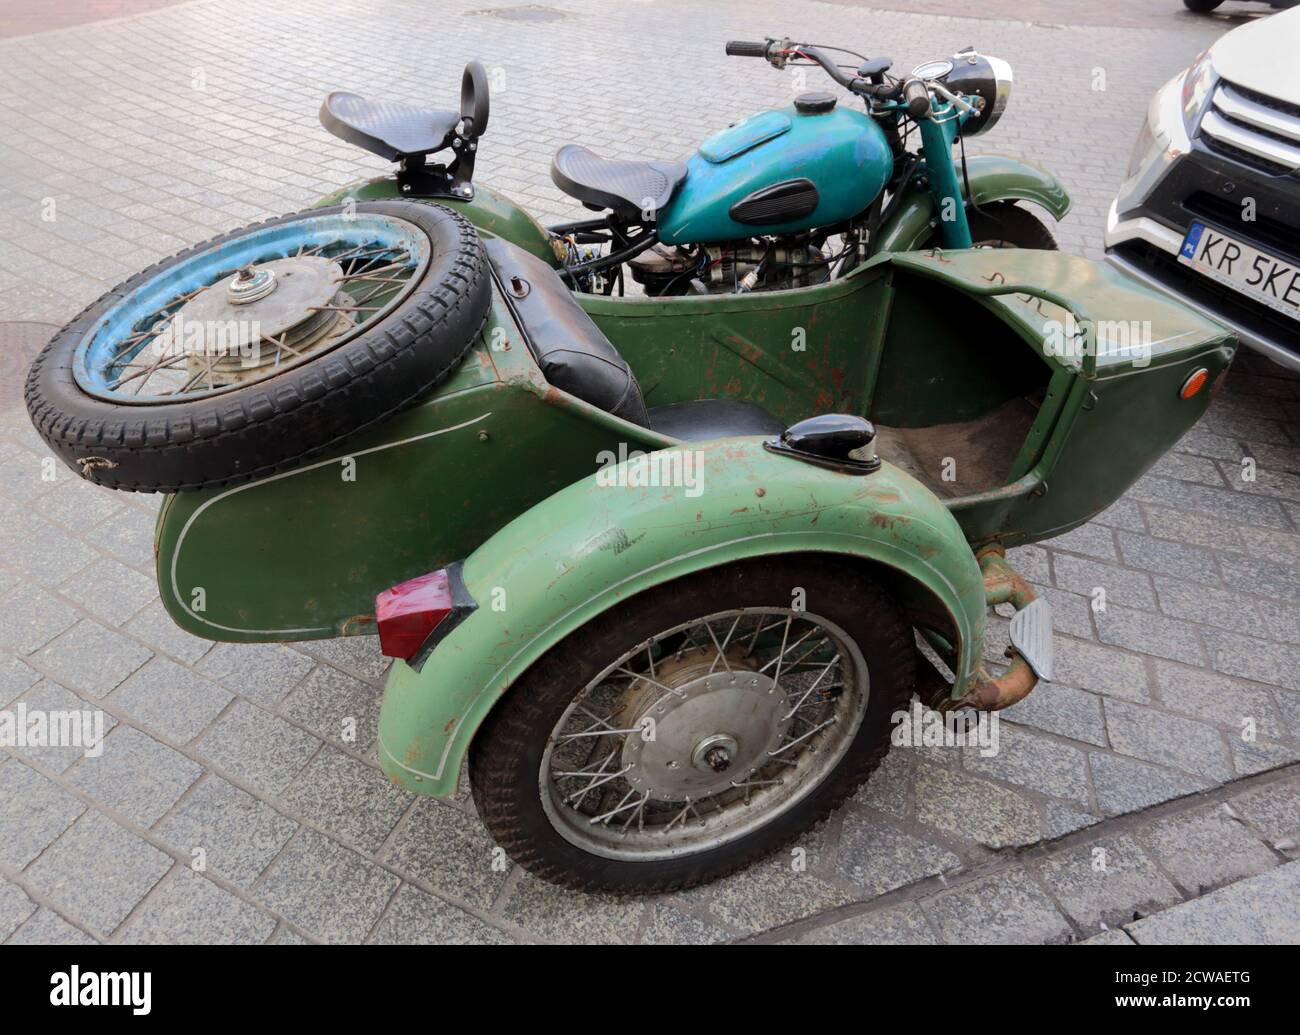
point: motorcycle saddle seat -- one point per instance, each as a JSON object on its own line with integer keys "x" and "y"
{"x": 390, "y": 129}
{"x": 629, "y": 188}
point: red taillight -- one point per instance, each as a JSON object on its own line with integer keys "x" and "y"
{"x": 408, "y": 612}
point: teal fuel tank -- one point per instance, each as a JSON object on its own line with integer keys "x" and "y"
{"x": 811, "y": 164}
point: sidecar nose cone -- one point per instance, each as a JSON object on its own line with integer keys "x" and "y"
{"x": 839, "y": 441}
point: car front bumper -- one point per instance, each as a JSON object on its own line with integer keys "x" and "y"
{"x": 1179, "y": 181}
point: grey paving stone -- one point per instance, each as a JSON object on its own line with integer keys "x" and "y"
{"x": 974, "y": 808}
{"x": 1167, "y": 557}
{"x": 33, "y": 812}
{"x": 1250, "y": 658}
{"x": 1204, "y": 849}
{"x": 136, "y": 775}
{"x": 1106, "y": 881}
{"x": 1125, "y": 785}
{"x": 1156, "y": 736}
{"x": 1197, "y": 529}
{"x": 46, "y": 927}
{"x": 899, "y": 925}
{"x": 1272, "y": 808}
{"x": 191, "y": 910}
{"x": 1217, "y": 698}
{"x": 1226, "y": 504}
{"x": 1004, "y": 909}
{"x": 15, "y": 677}
{"x": 1265, "y": 578}
{"x": 1071, "y": 613}
{"x": 97, "y": 871}
{"x": 358, "y": 655}
{"x": 1061, "y": 819}
{"x": 417, "y": 918}
{"x": 171, "y": 698}
{"x": 667, "y": 925}
{"x": 1197, "y": 602}
{"x": 886, "y": 788}
{"x": 262, "y": 672}
{"x": 1259, "y": 756}
{"x": 880, "y": 856}
{"x": 1123, "y": 513}
{"x": 30, "y": 616}
{"x": 1188, "y": 468}
{"x": 1063, "y": 710}
{"x": 774, "y": 891}
{"x": 326, "y": 889}
{"x": 1263, "y": 910}
{"x": 336, "y": 706}
{"x": 1123, "y": 587}
{"x": 1112, "y": 937}
{"x": 260, "y": 749}
{"x": 15, "y": 908}
{"x": 1091, "y": 666}
{"x": 1288, "y": 705}
{"x": 450, "y": 851}
{"x": 1032, "y": 562}
{"x": 556, "y": 914}
{"x": 47, "y": 554}
{"x": 1149, "y": 633}
{"x": 128, "y": 534}
{"x": 1092, "y": 540}
{"x": 1281, "y": 621}
{"x": 230, "y": 830}
{"x": 91, "y": 658}
{"x": 76, "y": 504}
{"x": 53, "y": 713}
{"x": 1033, "y": 761}
{"x": 349, "y": 798}
{"x": 154, "y": 626}
{"x": 109, "y": 590}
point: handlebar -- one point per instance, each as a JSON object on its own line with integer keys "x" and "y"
{"x": 746, "y": 48}
{"x": 916, "y": 95}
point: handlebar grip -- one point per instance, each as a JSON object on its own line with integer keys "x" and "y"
{"x": 917, "y": 97}
{"x": 746, "y": 48}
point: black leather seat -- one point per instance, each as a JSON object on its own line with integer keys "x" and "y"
{"x": 577, "y": 358}
{"x": 390, "y": 129}
{"x": 626, "y": 187}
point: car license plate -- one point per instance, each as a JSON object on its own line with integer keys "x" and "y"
{"x": 1244, "y": 268}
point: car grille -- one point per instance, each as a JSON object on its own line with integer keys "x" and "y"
{"x": 1253, "y": 129}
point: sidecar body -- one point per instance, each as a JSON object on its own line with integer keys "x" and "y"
{"x": 1014, "y": 395}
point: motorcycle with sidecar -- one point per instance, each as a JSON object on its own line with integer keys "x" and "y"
{"x": 660, "y": 570}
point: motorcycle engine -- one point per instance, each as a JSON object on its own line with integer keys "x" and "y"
{"x": 728, "y": 267}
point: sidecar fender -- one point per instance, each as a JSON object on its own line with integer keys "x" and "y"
{"x": 992, "y": 178}
{"x": 609, "y": 537}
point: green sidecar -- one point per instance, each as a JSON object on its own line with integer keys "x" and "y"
{"x": 1011, "y": 395}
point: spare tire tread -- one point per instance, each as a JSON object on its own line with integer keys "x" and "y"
{"x": 227, "y": 439}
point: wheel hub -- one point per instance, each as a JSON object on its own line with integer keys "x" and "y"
{"x": 701, "y": 731}
{"x": 234, "y": 326}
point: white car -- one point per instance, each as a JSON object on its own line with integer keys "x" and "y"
{"x": 1210, "y": 208}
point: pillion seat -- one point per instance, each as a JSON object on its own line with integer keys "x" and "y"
{"x": 390, "y": 129}
{"x": 628, "y": 188}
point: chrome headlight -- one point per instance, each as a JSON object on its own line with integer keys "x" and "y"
{"x": 986, "y": 77}
{"x": 1198, "y": 84}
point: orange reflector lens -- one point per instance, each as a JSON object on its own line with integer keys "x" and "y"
{"x": 1194, "y": 383}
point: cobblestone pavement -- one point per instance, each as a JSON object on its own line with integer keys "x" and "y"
{"x": 156, "y": 131}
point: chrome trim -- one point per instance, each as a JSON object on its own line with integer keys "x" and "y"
{"x": 1031, "y": 635}
{"x": 1234, "y": 105}
{"x": 1216, "y": 127}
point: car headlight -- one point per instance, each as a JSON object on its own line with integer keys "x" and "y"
{"x": 1143, "y": 148}
{"x": 1198, "y": 83}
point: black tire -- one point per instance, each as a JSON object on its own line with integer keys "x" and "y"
{"x": 270, "y": 425}
{"x": 1201, "y": 6}
{"x": 1004, "y": 224}
{"x": 507, "y": 753}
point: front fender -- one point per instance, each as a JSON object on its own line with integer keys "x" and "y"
{"x": 992, "y": 178}
{"x": 600, "y": 541}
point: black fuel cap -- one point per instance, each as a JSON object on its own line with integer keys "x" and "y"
{"x": 840, "y": 441}
{"x": 814, "y": 103}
